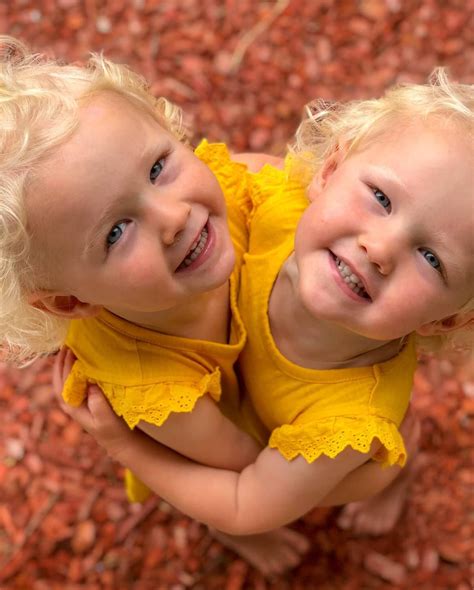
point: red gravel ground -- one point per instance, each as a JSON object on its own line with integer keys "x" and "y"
{"x": 242, "y": 71}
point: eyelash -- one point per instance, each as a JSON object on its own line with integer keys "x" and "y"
{"x": 439, "y": 267}
{"x": 109, "y": 245}
{"x": 388, "y": 205}
{"x": 161, "y": 161}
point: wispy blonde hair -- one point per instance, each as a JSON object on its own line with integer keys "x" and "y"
{"x": 39, "y": 103}
{"x": 355, "y": 124}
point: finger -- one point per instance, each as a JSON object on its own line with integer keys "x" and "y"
{"x": 98, "y": 404}
{"x": 57, "y": 371}
{"x": 69, "y": 360}
{"x": 80, "y": 414}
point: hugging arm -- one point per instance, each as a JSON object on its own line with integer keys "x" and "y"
{"x": 265, "y": 495}
{"x": 206, "y": 436}
{"x": 270, "y": 492}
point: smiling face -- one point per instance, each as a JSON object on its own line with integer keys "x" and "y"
{"x": 386, "y": 245}
{"x": 127, "y": 217}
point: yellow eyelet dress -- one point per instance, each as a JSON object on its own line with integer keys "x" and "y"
{"x": 310, "y": 412}
{"x": 146, "y": 375}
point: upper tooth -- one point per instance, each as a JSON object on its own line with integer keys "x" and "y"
{"x": 347, "y": 273}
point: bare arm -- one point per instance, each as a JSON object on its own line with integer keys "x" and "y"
{"x": 369, "y": 479}
{"x": 267, "y": 494}
{"x": 206, "y": 436}
{"x": 362, "y": 483}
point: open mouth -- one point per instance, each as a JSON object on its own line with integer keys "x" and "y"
{"x": 351, "y": 279}
{"x": 196, "y": 248}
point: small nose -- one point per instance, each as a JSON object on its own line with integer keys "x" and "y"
{"x": 380, "y": 248}
{"x": 171, "y": 217}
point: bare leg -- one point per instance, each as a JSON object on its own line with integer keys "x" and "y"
{"x": 379, "y": 514}
{"x": 271, "y": 553}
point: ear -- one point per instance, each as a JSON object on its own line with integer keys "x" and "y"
{"x": 329, "y": 166}
{"x": 66, "y": 306}
{"x": 452, "y": 322}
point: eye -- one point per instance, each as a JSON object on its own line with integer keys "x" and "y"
{"x": 115, "y": 234}
{"x": 157, "y": 169}
{"x": 382, "y": 198}
{"x": 432, "y": 259}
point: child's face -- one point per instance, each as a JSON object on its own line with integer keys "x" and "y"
{"x": 397, "y": 218}
{"x": 126, "y": 216}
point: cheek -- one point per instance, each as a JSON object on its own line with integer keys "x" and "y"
{"x": 142, "y": 273}
{"x": 411, "y": 308}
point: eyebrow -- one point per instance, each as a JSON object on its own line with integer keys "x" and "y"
{"x": 388, "y": 176}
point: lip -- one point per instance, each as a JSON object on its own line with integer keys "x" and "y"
{"x": 206, "y": 251}
{"x": 342, "y": 284}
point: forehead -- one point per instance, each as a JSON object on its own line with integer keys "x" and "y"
{"x": 112, "y": 134}
{"x": 424, "y": 147}
{"x": 433, "y": 163}
{"x": 104, "y": 121}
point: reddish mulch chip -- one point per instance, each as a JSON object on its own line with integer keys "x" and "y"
{"x": 242, "y": 72}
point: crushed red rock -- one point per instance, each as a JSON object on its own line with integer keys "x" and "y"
{"x": 242, "y": 71}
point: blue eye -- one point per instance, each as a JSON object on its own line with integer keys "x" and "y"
{"x": 382, "y": 198}
{"x": 115, "y": 234}
{"x": 432, "y": 259}
{"x": 157, "y": 169}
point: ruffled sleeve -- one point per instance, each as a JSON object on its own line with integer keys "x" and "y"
{"x": 265, "y": 183}
{"x": 152, "y": 403}
{"x": 331, "y": 436}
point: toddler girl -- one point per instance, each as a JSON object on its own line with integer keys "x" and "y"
{"x": 115, "y": 233}
{"x": 339, "y": 284}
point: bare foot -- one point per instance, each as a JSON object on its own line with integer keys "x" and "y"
{"x": 271, "y": 553}
{"x": 379, "y": 514}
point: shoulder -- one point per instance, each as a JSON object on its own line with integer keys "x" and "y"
{"x": 255, "y": 162}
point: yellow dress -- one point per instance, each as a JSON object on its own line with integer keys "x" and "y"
{"x": 310, "y": 412}
{"x": 146, "y": 375}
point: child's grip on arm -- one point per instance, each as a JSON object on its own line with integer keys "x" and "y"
{"x": 188, "y": 433}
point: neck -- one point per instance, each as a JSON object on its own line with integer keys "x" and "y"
{"x": 203, "y": 317}
{"x": 319, "y": 344}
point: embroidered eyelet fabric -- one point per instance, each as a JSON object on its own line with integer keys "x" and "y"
{"x": 151, "y": 403}
{"x": 146, "y": 375}
{"x": 330, "y": 437}
{"x": 310, "y": 412}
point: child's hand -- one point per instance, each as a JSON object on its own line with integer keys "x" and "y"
{"x": 62, "y": 367}
{"x": 95, "y": 415}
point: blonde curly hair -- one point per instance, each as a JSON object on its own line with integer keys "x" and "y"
{"x": 355, "y": 124}
{"x": 39, "y": 103}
